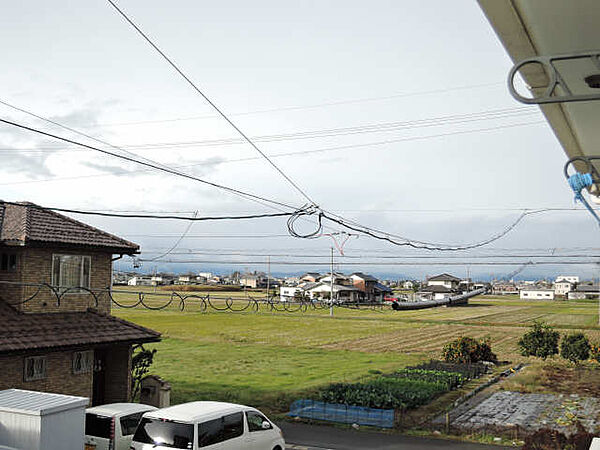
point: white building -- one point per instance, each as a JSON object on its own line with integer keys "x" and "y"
{"x": 206, "y": 275}
{"x": 563, "y": 287}
{"x": 139, "y": 281}
{"x": 570, "y": 278}
{"x": 534, "y": 293}
{"x": 446, "y": 280}
{"x": 288, "y": 293}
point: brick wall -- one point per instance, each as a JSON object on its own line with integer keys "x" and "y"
{"x": 36, "y": 267}
{"x": 60, "y": 378}
{"x": 11, "y": 293}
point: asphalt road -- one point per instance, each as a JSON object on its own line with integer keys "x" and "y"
{"x": 302, "y": 436}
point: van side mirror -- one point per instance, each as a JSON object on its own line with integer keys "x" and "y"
{"x": 266, "y": 425}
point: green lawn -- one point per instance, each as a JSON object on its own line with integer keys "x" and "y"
{"x": 270, "y": 358}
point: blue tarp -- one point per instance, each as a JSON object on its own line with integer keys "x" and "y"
{"x": 311, "y": 409}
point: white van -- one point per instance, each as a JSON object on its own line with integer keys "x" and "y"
{"x": 207, "y": 426}
{"x": 111, "y": 426}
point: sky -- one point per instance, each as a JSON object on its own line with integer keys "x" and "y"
{"x": 392, "y": 114}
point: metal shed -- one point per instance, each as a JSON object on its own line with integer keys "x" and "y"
{"x": 41, "y": 421}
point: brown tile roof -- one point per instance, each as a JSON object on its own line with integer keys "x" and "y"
{"x": 27, "y": 224}
{"x": 21, "y": 332}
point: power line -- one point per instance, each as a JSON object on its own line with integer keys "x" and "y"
{"x": 301, "y": 107}
{"x": 151, "y": 165}
{"x": 310, "y": 134}
{"x": 148, "y": 216}
{"x": 346, "y": 256}
{"x": 370, "y": 263}
{"x": 295, "y": 153}
{"x": 209, "y": 101}
{"x": 403, "y": 241}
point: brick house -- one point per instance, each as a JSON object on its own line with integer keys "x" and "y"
{"x": 54, "y": 336}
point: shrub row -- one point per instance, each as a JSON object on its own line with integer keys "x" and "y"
{"x": 468, "y": 371}
{"x": 384, "y": 392}
{"x": 542, "y": 341}
{"x": 450, "y": 379}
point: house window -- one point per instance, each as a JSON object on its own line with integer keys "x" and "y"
{"x": 71, "y": 271}
{"x": 35, "y": 368}
{"x": 83, "y": 362}
{"x": 8, "y": 262}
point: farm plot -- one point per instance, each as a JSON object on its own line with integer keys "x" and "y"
{"x": 271, "y": 358}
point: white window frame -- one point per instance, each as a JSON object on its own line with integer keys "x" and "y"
{"x": 70, "y": 290}
{"x": 40, "y": 368}
{"x": 86, "y": 359}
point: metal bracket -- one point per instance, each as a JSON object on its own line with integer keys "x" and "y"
{"x": 550, "y": 95}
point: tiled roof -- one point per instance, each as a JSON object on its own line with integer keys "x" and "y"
{"x": 443, "y": 277}
{"x": 364, "y": 276}
{"x": 25, "y": 332}
{"x": 26, "y": 224}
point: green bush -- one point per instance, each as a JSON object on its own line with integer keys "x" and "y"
{"x": 384, "y": 392}
{"x": 575, "y": 347}
{"x": 468, "y": 350}
{"x": 449, "y": 379}
{"x": 468, "y": 371}
{"x": 540, "y": 341}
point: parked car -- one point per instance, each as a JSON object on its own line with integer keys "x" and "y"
{"x": 111, "y": 426}
{"x": 207, "y": 425}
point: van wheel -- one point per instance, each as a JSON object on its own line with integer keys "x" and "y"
{"x": 277, "y": 448}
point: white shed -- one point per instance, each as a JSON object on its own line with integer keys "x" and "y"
{"x": 41, "y": 421}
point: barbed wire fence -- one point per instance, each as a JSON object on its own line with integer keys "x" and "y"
{"x": 178, "y": 300}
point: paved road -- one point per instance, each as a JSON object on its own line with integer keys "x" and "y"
{"x": 302, "y": 436}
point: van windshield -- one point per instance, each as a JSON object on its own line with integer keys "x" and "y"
{"x": 98, "y": 426}
{"x": 165, "y": 433}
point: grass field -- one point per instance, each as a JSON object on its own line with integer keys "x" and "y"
{"x": 270, "y": 358}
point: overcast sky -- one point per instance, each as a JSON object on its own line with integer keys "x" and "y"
{"x": 372, "y": 74}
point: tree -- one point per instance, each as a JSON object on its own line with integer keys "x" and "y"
{"x": 541, "y": 341}
{"x": 140, "y": 366}
{"x": 468, "y": 350}
{"x": 575, "y": 347}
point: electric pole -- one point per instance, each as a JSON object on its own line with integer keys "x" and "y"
{"x": 331, "y": 294}
{"x": 268, "y": 276}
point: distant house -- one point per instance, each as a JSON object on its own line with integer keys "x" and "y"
{"x": 535, "y": 293}
{"x": 291, "y": 281}
{"x": 570, "y": 278}
{"x": 584, "y": 291}
{"x": 338, "y": 278}
{"x": 73, "y": 346}
{"x": 504, "y": 288}
{"x": 341, "y": 293}
{"x": 290, "y": 293}
{"x": 446, "y": 280}
{"x": 372, "y": 290}
{"x": 310, "y": 277}
{"x": 408, "y": 284}
{"x": 563, "y": 287}
{"x": 435, "y": 292}
{"x": 140, "y": 280}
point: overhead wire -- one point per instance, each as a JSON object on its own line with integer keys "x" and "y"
{"x": 310, "y": 134}
{"x": 209, "y": 101}
{"x": 302, "y": 107}
{"x": 194, "y": 218}
{"x": 148, "y": 164}
{"x": 286, "y": 154}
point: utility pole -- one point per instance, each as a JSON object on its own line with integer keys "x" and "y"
{"x": 331, "y": 294}
{"x": 268, "y": 276}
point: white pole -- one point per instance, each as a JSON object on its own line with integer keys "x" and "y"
{"x": 331, "y": 295}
